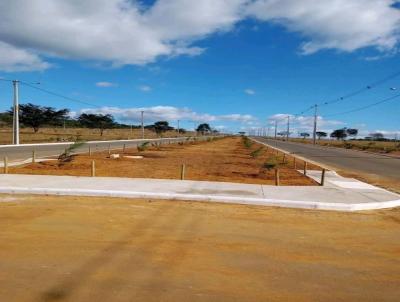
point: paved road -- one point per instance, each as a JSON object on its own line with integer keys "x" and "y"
{"x": 22, "y": 152}
{"x": 342, "y": 159}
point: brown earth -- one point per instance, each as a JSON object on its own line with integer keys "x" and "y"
{"x": 99, "y": 249}
{"x": 224, "y": 159}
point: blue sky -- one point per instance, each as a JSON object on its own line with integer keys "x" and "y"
{"x": 237, "y": 65}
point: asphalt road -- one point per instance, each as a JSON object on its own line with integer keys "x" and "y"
{"x": 22, "y": 152}
{"x": 342, "y": 159}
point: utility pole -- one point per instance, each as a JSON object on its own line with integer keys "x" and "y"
{"x": 315, "y": 124}
{"x": 16, "y": 114}
{"x": 178, "y": 129}
{"x": 288, "y": 128}
{"x": 276, "y": 127}
{"x": 141, "y": 113}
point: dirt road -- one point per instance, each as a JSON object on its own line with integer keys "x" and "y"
{"x": 94, "y": 249}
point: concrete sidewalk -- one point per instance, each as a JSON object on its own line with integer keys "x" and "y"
{"x": 339, "y": 193}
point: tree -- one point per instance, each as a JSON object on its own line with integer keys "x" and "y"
{"x": 304, "y": 135}
{"x": 36, "y": 116}
{"x": 161, "y": 127}
{"x": 321, "y": 134}
{"x": 5, "y": 118}
{"x": 352, "y": 132}
{"x": 377, "y": 136}
{"x": 339, "y": 134}
{"x": 203, "y": 128}
{"x": 100, "y": 121}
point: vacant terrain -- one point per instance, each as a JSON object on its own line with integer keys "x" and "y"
{"x": 98, "y": 249}
{"x": 382, "y": 147}
{"x": 55, "y": 134}
{"x": 226, "y": 159}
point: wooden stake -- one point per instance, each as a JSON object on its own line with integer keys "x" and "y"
{"x": 109, "y": 149}
{"x": 284, "y": 158}
{"x": 5, "y": 165}
{"x": 294, "y": 163}
{"x": 277, "y": 180}
{"x": 305, "y": 168}
{"x": 322, "y": 177}
{"x": 90, "y": 151}
{"x": 183, "y": 172}
{"x": 123, "y": 149}
{"x": 33, "y": 156}
{"x": 93, "y": 170}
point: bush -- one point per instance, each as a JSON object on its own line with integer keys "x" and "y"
{"x": 247, "y": 142}
{"x": 142, "y": 147}
{"x": 270, "y": 163}
{"x": 256, "y": 153}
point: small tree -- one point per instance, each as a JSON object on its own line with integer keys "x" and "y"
{"x": 304, "y": 135}
{"x": 377, "y": 136}
{"x": 352, "y": 132}
{"x": 321, "y": 134}
{"x": 99, "y": 121}
{"x": 36, "y": 116}
{"x": 339, "y": 134}
{"x": 204, "y": 128}
{"x": 161, "y": 126}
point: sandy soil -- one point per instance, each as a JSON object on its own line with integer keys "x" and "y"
{"x": 98, "y": 249}
{"x": 219, "y": 160}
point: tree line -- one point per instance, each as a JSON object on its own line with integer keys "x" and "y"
{"x": 36, "y": 117}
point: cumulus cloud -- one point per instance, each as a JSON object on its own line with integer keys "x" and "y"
{"x": 304, "y": 123}
{"x": 334, "y": 24}
{"x": 249, "y": 91}
{"x": 168, "y": 113}
{"x": 145, "y": 88}
{"x": 122, "y": 32}
{"x": 106, "y": 84}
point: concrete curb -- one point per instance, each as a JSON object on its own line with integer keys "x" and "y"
{"x": 207, "y": 198}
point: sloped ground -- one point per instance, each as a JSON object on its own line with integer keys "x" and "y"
{"x": 98, "y": 249}
{"x": 224, "y": 159}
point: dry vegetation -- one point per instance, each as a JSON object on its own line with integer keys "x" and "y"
{"x": 75, "y": 134}
{"x": 228, "y": 159}
{"x": 392, "y": 148}
{"x": 97, "y": 249}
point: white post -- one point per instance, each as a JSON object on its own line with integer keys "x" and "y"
{"x": 288, "y": 128}
{"x": 142, "y": 112}
{"x": 16, "y": 114}
{"x": 315, "y": 125}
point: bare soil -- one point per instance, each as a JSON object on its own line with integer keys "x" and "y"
{"x": 224, "y": 159}
{"x": 116, "y": 250}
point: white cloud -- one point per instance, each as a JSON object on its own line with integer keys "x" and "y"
{"x": 346, "y": 25}
{"x": 106, "y": 84}
{"x": 249, "y": 91}
{"x": 13, "y": 59}
{"x": 122, "y": 32}
{"x": 168, "y": 113}
{"x": 145, "y": 88}
{"x": 304, "y": 123}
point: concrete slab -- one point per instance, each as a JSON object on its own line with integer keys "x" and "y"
{"x": 330, "y": 197}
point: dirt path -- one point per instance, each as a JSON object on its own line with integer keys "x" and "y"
{"x": 96, "y": 249}
{"x": 220, "y": 160}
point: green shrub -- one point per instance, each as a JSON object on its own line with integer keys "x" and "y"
{"x": 66, "y": 156}
{"x": 247, "y": 142}
{"x": 270, "y": 163}
{"x": 256, "y": 153}
{"x": 142, "y": 147}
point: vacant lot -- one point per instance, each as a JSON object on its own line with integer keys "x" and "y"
{"x": 74, "y": 134}
{"x": 98, "y": 249}
{"x": 392, "y": 148}
{"x": 226, "y": 159}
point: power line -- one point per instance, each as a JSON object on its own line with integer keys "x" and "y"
{"x": 365, "y": 107}
{"x": 59, "y": 95}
